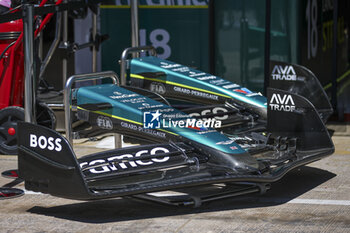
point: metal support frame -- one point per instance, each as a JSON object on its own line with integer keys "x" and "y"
{"x": 40, "y": 49}
{"x": 127, "y": 52}
{"x": 134, "y": 8}
{"x": 68, "y": 98}
{"x": 267, "y": 44}
{"x": 30, "y": 72}
{"x": 211, "y": 37}
{"x": 243, "y": 46}
{"x": 29, "y": 63}
{"x": 334, "y": 58}
{"x": 196, "y": 199}
{"x": 54, "y": 44}
{"x": 65, "y": 43}
{"x": 94, "y": 49}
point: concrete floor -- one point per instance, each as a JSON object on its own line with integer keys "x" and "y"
{"x": 314, "y": 198}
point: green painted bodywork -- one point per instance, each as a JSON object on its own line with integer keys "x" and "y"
{"x": 180, "y": 75}
{"x": 128, "y": 106}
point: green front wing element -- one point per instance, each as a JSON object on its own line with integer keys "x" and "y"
{"x": 176, "y": 81}
{"x": 127, "y": 110}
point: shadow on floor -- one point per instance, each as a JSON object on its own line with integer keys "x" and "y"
{"x": 338, "y": 128}
{"x": 294, "y": 184}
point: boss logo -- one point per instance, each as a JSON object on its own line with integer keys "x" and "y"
{"x": 45, "y": 143}
{"x": 282, "y": 103}
{"x": 284, "y": 73}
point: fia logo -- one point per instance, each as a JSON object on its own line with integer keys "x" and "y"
{"x": 104, "y": 122}
{"x": 151, "y": 120}
{"x": 284, "y": 73}
{"x": 282, "y": 103}
{"x": 157, "y": 87}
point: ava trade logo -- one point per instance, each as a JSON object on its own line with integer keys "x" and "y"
{"x": 151, "y": 120}
{"x": 284, "y": 73}
{"x": 282, "y": 103}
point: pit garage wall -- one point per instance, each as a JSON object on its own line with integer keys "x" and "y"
{"x": 316, "y": 46}
{"x": 180, "y": 31}
{"x": 177, "y": 28}
{"x": 301, "y": 32}
{"x": 239, "y": 31}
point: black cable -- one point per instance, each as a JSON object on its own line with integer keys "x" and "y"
{"x": 12, "y": 9}
{"x": 3, "y": 53}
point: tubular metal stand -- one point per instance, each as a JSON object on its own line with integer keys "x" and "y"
{"x": 127, "y": 52}
{"x": 94, "y": 49}
{"x": 68, "y": 99}
{"x": 54, "y": 44}
{"x": 29, "y": 63}
{"x": 134, "y": 8}
{"x": 65, "y": 43}
{"x": 196, "y": 199}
